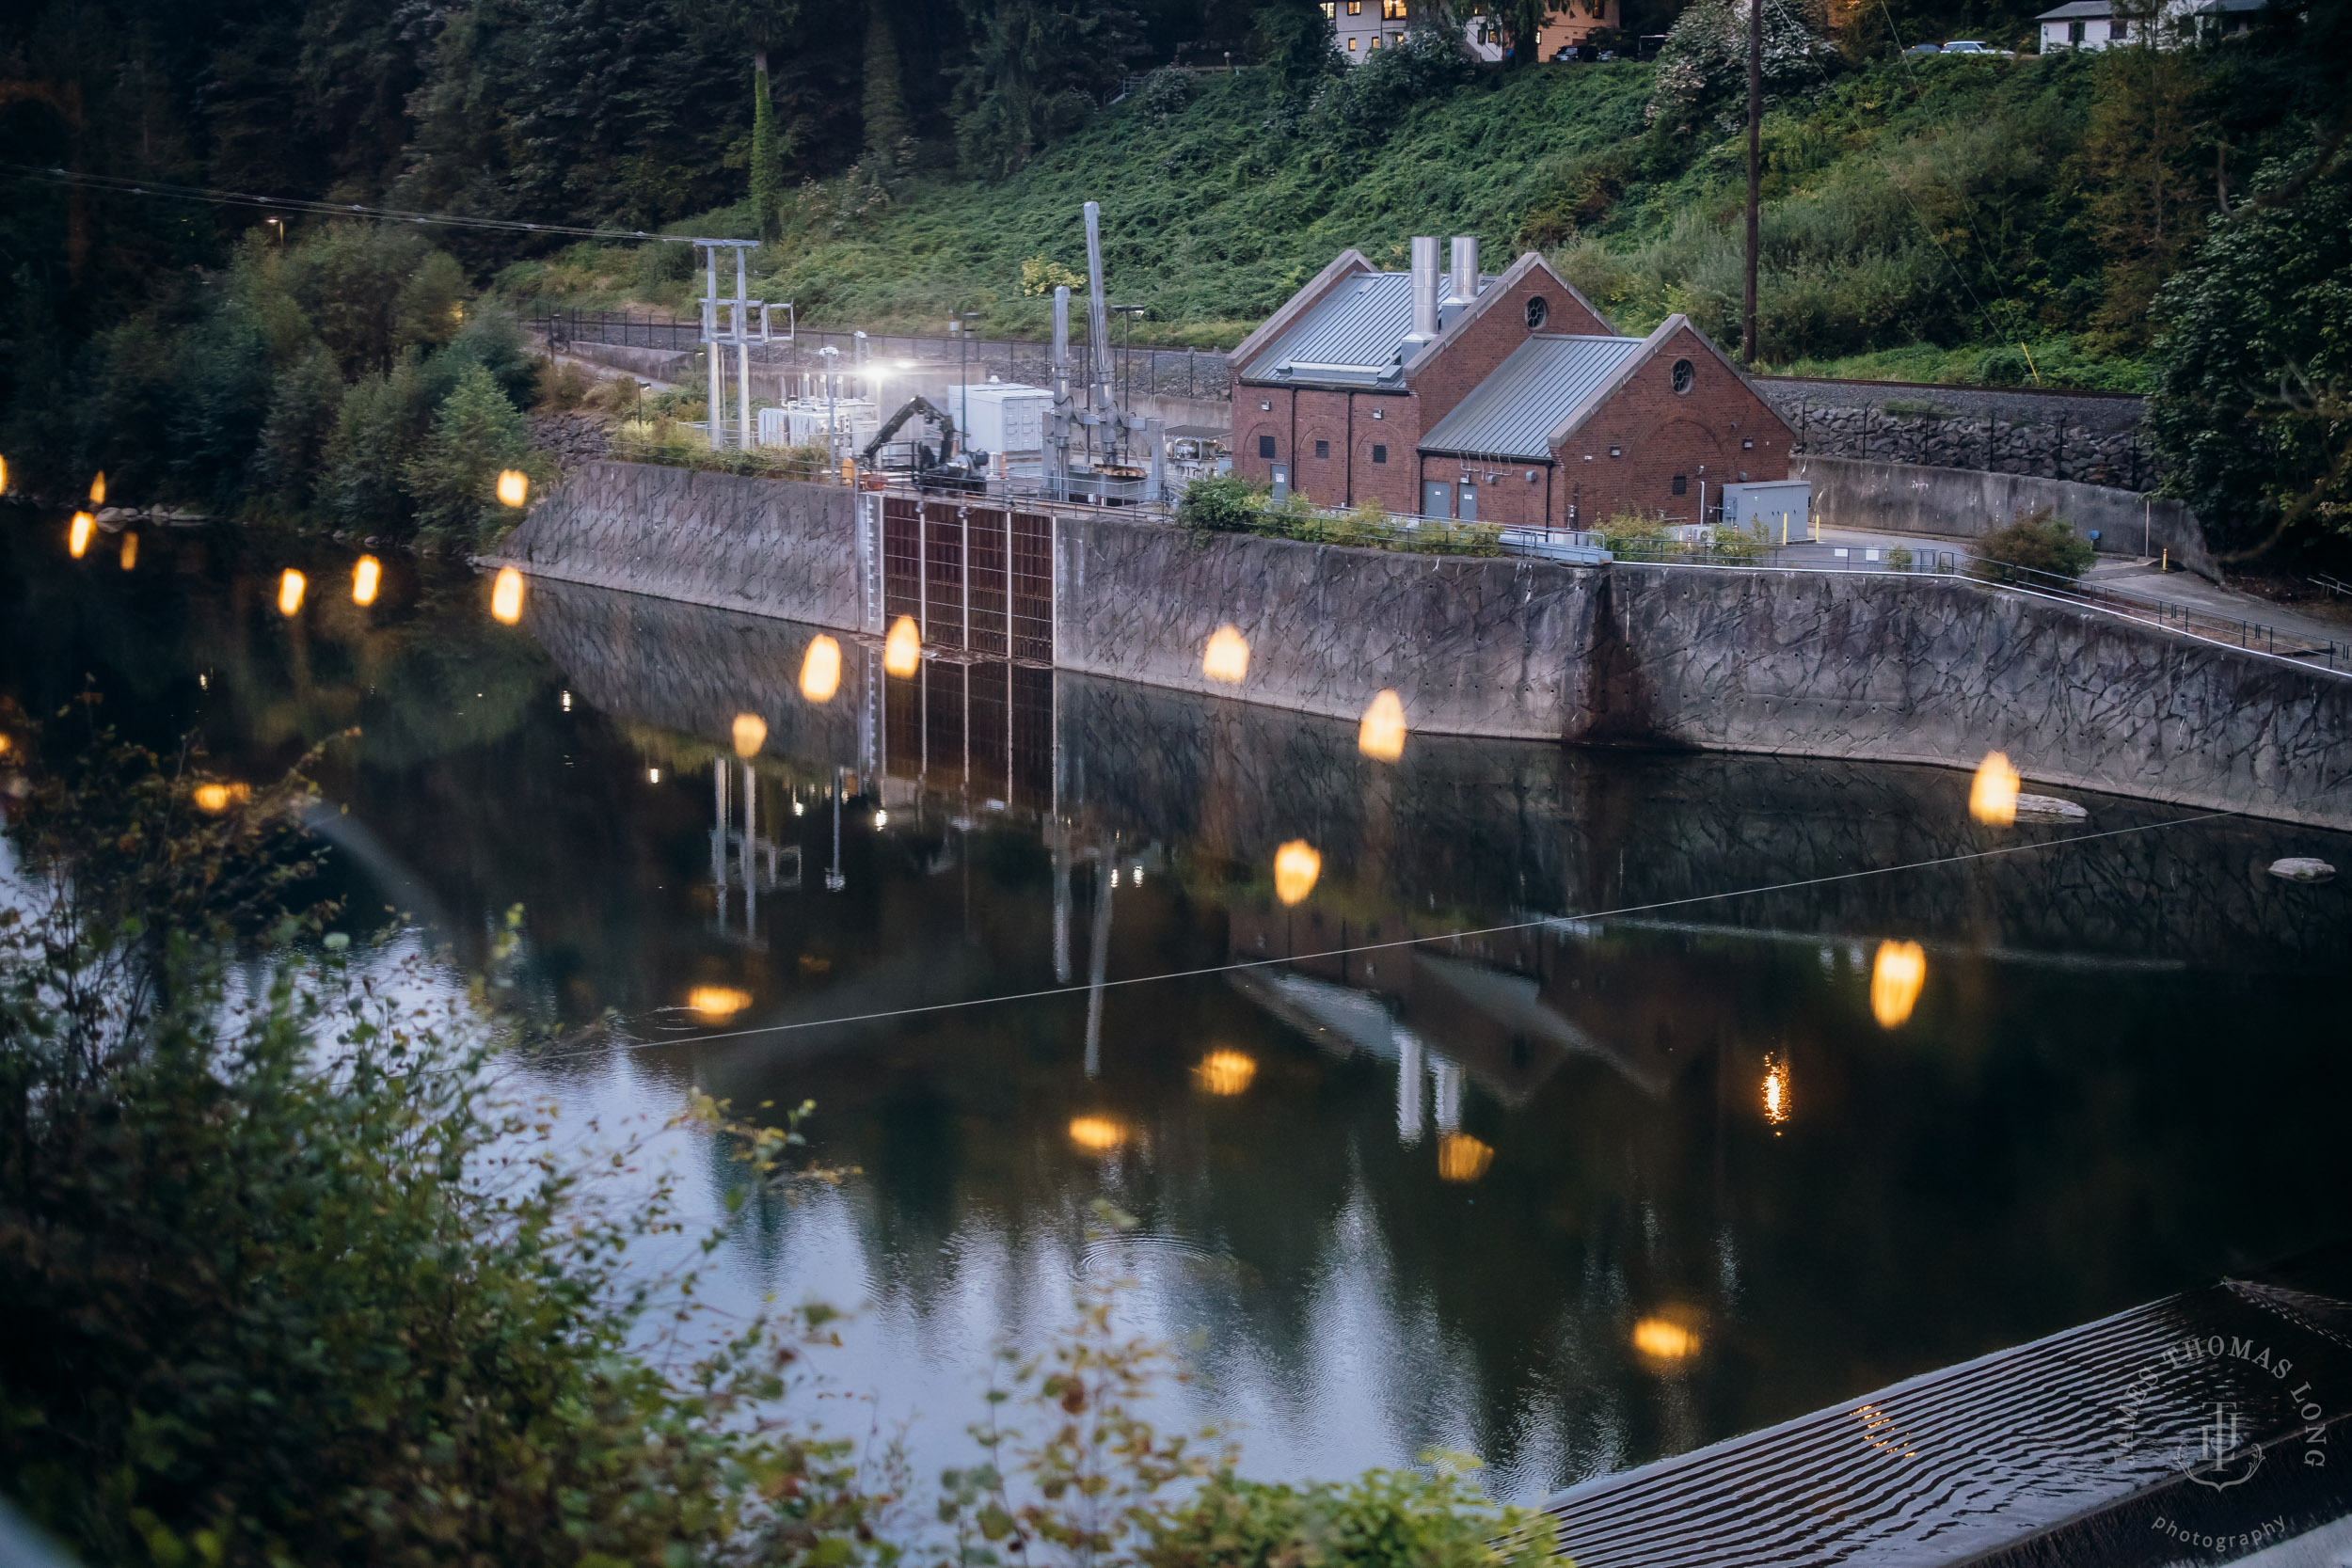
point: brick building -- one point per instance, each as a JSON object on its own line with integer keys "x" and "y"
{"x": 1504, "y": 399}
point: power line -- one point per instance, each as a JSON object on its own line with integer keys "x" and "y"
{"x": 120, "y": 186}
{"x": 1401, "y": 941}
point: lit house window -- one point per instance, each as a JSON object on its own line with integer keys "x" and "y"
{"x": 1351, "y": 46}
{"x": 2074, "y": 32}
{"x": 1330, "y": 9}
{"x": 1391, "y": 10}
{"x": 1375, "y": 41}
{"x": 1354, "y": 8}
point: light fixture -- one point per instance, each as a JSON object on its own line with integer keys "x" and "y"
{"x": 567, "y": 702}
{"x": 820, "y": 669}
{"x": 1381, "y": 733}
{"x": 506, "y": 596}
{"x": 653, "y": 775}
{"x": 881, "y": 820}
{"x": 1227, "y": 656}
{"x": 1993, "y": 796}
{"x": 365, "y": 577}
{"x": 1896, "y": 977}
{"x": 1295, "y": 868}
{"x": 750, "y": 734}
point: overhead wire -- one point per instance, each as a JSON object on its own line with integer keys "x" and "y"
{"x": 118, "y": 185}
{"x": 1508, "y": 928}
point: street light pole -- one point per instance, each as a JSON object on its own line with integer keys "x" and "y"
{"x": 1755, "y": 142}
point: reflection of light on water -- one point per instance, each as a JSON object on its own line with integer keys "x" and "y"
{"x": 1295, "y": 868}
{"x": 1381, "y": 735}
{"x": 1663, "y": 1339}
{"x": 506, "y": 596}
{"x": 3, "y": 476}
{"x": 718, "y": 1001}
{"x": 366, "y": 577}
{"x": 903, "y": 653}
{"x": 513, "y": 487}
{"x": 750, "y": 734}
{"x": 1993, "y": 797}
{"x": 290, "y": 587}
{"x": 1097, "y": 1134}
{"x": 1775, "y": 1091}
{"x": 77, "y": 536}
{"x": 1227, "y": 656}
{"x": 1896, "y": 978}
{"x": 130, "y": 551}
{"x": 1880, "y": 1431}
{"x": 1226, "y": 1072}
{"x": 97, "y": 489}
{"x": 1463, "y": 1158}
{"x": 820, "y": 670}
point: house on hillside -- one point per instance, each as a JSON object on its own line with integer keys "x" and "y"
{"x": 2105, "y": 24}
{"x": 1363, "y": 27}
{"x": 1505, "y": 399}
{"x": 1566, "y": 29}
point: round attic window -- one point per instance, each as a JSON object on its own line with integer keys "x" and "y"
{"x": 1538, "y": 311}
{"x": 1684, "y": 376}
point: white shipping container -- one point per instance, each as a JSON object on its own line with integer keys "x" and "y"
{"x": 1001, "y": 416}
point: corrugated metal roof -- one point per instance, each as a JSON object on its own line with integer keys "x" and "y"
{"x": 1350, "y": 337}
{"x": 2075, "y": 9}
{"x": 1509, "y": 414}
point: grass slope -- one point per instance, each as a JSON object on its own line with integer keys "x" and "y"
{"x": 1920, "y": 222}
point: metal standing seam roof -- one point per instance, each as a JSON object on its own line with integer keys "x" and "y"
{"x": 1352, "y": 335}
{"x": 1512, "y": 412}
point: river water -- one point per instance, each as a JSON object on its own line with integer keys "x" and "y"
{"x": 1558, "y": 1122}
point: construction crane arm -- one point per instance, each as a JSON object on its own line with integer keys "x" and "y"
{"x": 915, "y": 405}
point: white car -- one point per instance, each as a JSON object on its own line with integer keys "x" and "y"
{"x": 1969, "y": 46}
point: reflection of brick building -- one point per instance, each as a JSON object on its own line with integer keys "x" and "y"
{"x": 1504, "y": 399}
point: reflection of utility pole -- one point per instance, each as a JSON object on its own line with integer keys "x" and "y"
{"x": 1409, "y": 1097}
{"x": 832, "y": 877}
{"x": 1099, "y": 963}
{"x": 1061, "y": 914}
{"x": 1448, "y": 1073}
{"x": 756, "y": 862}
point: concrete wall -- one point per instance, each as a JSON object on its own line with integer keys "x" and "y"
{"x": 753, "y": 544}
{"x": 1890, "y": 668}
{"x": 2091, "y": 437}
{"x": 1962, "y": 503}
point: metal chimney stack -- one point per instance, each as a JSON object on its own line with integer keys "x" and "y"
{"x": 1464, "y": 279}
{"x": 1057, "y": 423}
{"x": 1424, "y": 289}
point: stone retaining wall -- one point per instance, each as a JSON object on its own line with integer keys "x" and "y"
{"x": 1957, "y": 503}
{"x": 2082, "y": 438}
{"x": 756, "y": 544}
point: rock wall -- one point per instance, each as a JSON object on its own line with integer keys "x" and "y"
{"x": 1960, "y": 504}
{"x": 754, "y": 545}
{"x": 2088, "y": 439}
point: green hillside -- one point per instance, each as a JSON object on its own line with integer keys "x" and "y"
{"x": 1920, "y": 221}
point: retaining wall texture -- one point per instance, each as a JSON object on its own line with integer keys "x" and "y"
{"x": 1883, "y": 667}
{"x": 754, "y": 545}
{"x": 2088, "y": 438}
{"x": 1904, "y": 497}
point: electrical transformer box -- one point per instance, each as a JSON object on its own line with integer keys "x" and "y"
{"x": 1001, "y": 416}
{"x": 1778, "y": 504}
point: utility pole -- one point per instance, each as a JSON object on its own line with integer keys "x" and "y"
{"x": 1755, "y": 162}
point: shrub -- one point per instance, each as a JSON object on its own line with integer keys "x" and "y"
{"x": 2038, "y": 544}
{"x": 1899, "y": 559}
{"x": 1224, "y": 503}
{"x": 453, "y": 477}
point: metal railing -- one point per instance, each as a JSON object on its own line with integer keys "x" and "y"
{"x": 1200, "y": 374}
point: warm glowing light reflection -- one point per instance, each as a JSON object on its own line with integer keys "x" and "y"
{"x": 1295, "y": 868}
{"x": 1462, "y": 1158}
{"x": 77, "y": 537}
{"x": 365, "y": 578}
{"x": 903, "y": 653}
{"x": 1662, "y": 1339}
{"x": 1227, "y": 656}
{"x": 130, "y": 551}
{"x": 1226, "y": 1072}
{"x": 97, "y": 489}
{"x": 218, "y": 798}
{"x": 506, "y": 596}
{"x": 1381, "y": 735}
{"x": 7, "y": 740}
{"x": 820, "y": 670}
{"x": 1097, "y": 1134}
{"x": 1993, "y": 796}
{"x": 718, "y": 1002}
{"x": 513, "y": 487}
{"x": 1775, "y": 1091}
{"x": 290, "y": 587}
{"x": 750, "y": 734}
{"x": 4, "y": 475}
{"x": 1896, "y": 977}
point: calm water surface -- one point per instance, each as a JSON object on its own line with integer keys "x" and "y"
{"x": 1638, "y": 1172}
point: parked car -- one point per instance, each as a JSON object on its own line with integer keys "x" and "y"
{"x": 1923, "y": 49}
{"x": 1969, "y": 46}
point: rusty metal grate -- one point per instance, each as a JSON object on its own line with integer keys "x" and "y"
{"x": 943, "y": 571}
{"x": 1032, "y": 617}
{"x": 902, "y": 583}
{"x": 990, "y": 630}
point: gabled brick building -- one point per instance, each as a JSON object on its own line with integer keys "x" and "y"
{"x": 1504, "y": 399}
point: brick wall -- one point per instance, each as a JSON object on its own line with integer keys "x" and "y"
{"x": 1660, "y": 434}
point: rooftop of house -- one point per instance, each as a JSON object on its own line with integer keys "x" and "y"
{"x": 2078, "y": 10}
{"x": 1354, "y": 336}
{"x": 1545, "y": 381}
